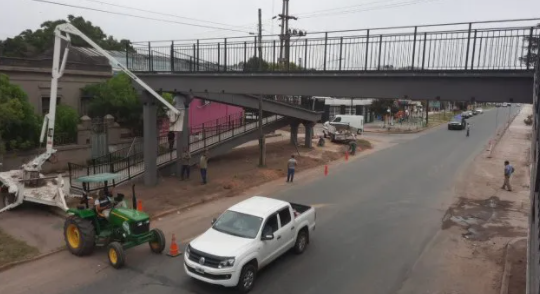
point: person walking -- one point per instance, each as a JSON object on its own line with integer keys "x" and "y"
{"x": 203, "y": 166}
{"x": 508, "y": 172}
{"x": 468, "y": 128}
{"x": 291, "y": 166}
{"x": 186, "y": 157}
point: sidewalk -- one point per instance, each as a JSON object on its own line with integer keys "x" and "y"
{"x": 467, "y": 255}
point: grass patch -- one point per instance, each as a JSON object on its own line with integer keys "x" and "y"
{"x": 12, "y": 250}
{"x": 439, "y": 118}
{"x": 364, "y": 144}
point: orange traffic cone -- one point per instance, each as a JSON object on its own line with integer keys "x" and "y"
{"x": 347, "y": 155}
{"x": 174, "y": 251}
{"x": 326, "y": 170}
{"x": 139, "y": 205}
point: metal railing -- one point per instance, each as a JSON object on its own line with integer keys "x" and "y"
{"x": 471, "y": 46}
{"x": 133, "y": 165}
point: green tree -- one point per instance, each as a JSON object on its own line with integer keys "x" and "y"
{"x": 66, "y": 123}
{"x": 19, "y": 125}
{"x": 118, "y": 98}
{"x": 257, "y": 64}
{"x": 380, "y": 106}
{"x": 32, "y": 43}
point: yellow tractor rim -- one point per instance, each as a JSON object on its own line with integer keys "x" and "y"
{"x": 112, "y": 256}
{"x": 73, "y": 236}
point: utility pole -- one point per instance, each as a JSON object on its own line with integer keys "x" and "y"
{"x": 262, "y": 139}
{"x": 285, "y": 36}
{"x": 260, "y": 40}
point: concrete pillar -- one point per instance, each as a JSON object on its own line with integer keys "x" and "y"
{"x": 294, "y": 133}
{"x": 182, "y": 138}
{"x": 150, "y": 139}
{"x": 309, "y": 134}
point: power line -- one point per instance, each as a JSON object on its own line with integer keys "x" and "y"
{"x": 388, "y": 6}
{"x": 345, "y": 7}
{"x": 161, "y": 13}
{"x": 137, "y": 16}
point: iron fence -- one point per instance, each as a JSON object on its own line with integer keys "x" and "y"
{"x": 132, "y": 164}
{"x": 471, "y": 47}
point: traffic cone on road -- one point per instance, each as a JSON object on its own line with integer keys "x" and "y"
{"x": 139, "y": 205}
{"x": 346, "y": 155}
{"x": 326, "y": 170}
{"x": 173, "y": 250}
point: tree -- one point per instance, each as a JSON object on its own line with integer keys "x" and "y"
{"x": 66, "y": 123}
{"x": 118, "y": 98}
{"x": 32, "y": 43}
{"x": 19, "y": 125}
{"x": 257, "y": 64}
{"x": 380, "y": 106}
{"x": 532, "y": 56}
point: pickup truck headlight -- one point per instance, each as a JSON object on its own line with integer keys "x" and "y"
{"x": 188, "y": 251}
{"x": 226, "y": 263}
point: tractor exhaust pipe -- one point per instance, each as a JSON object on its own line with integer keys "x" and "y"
{"x": 134, "y": 198}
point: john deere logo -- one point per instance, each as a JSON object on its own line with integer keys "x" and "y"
{"x": 201, "y": 261}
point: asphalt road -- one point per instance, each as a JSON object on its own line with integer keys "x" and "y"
{"x": 379, "y": 214}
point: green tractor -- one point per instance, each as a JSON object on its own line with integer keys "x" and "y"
{"x": 124, "y": 228}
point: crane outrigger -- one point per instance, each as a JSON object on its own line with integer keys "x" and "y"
{"x": 27, "y": 183}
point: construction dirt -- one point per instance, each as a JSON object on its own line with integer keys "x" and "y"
{"x": 231, "y": 174}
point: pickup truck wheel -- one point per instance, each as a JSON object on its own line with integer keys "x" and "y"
{"x": 247, "y": 278}
{"x": 301, "y": 242}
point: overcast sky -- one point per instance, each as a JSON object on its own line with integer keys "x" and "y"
{"x": 314, "y": 15}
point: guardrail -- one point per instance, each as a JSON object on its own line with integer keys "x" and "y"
{"x": 471, "y": 46}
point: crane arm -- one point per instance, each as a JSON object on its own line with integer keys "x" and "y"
{"x": 63, "y": 32}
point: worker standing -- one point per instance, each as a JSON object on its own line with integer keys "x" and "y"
{"x": 508, "y": 172}
{"x": 203, "y": 166}
{"x": 291, "y": 166}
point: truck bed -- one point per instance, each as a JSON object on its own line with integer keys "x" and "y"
{"x": 299, "y": 208}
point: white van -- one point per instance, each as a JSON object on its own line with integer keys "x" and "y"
{"x": 354, "y": 121}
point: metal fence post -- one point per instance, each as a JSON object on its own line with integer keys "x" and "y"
{"x": 219, "y": 56}
{"x": 273, "y": 55}
{"x": 198, "y": 58}
{"x": 468, "y": 45}
{"x": 204, "y": 136}
{"x": 305, "y": 53}
{"x": 414, "y": 48}
{"x": 129, "y": 168}
{"x": 325, "y": 49}
{"x": 340, "y": 51}
{"x": 172, "y": 55}
{"x": 424, "y": 51}
{"x": 245, "y": 54}
{"x": 380, "y": 53}
{"x": 225, "y": 54}
{"x": 529, "y": 48}
{"x": 194, "y": 57}
{"x": 127, "y": 55}
{"x": 473, "y": 50}
{"x": 149, "y": 57}
{"x": 255, "y": 48}
{"x": 94, "y": 165}
{"x": 367, "y": 50}
{"x": 218, "y": 129}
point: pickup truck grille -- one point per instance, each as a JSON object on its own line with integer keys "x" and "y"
{"x": 209, "y": 260}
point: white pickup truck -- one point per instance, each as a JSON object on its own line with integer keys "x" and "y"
{"x": 247, "y": 237}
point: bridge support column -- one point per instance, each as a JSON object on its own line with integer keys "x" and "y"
{"x": 182, "y": 138}
{"x": 309, "y": 134}
{"x": 150, "y": 144}
{"x": 294, "y": 133}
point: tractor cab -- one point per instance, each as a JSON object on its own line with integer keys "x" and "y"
{"x": 121, "y": 229}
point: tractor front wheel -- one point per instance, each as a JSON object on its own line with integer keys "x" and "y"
{"x": 79, "y": 235}
{"x": 157, "y": 245}
{"x": 116, "y": 255}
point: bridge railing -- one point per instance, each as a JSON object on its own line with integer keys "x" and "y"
{"x": 470, "y": 46}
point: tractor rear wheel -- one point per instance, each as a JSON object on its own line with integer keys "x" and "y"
{"x": 79, "y": 235}
{"x": 116, "y": 255}
{"x": 157, "y": 245}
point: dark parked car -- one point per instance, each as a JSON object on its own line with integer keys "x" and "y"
{"x": 457, "y": 123}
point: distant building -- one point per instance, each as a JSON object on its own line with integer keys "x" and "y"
{"x": 352, "y": 106}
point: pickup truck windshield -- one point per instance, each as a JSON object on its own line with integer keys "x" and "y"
{"x": 238, "y": 224}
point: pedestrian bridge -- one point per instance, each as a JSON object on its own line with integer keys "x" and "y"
{"x": 488, "y": 62}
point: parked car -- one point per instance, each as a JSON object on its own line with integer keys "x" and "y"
{"x": 457, "y": 123}
{"x": 466, "y": 114}
{"x": 479, "y": 110}
{"x": 247, "y": 237}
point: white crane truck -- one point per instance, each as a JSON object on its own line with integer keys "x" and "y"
{"x": 27, "y": 183}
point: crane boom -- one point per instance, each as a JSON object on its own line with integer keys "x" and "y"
{"x": 57, "y": 72}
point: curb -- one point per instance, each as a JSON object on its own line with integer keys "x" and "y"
{"x": 31, "y": 259}
{"x": 507, "y": 265}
